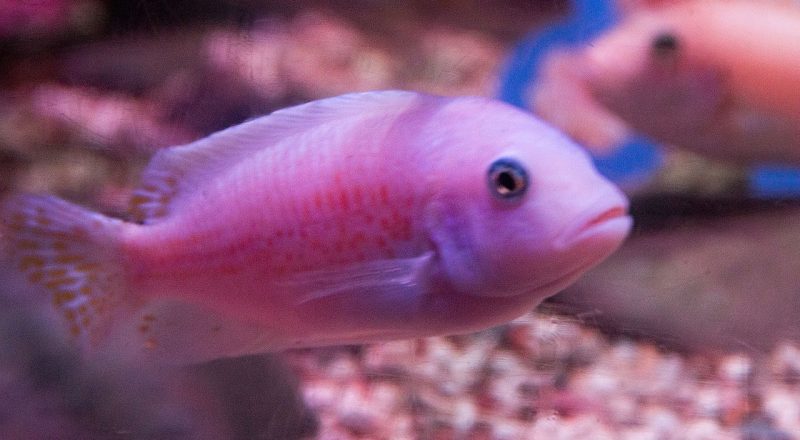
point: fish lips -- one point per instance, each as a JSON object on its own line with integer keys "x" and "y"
{"x": 595, "y": 236}
{"x": 606, "y": 225}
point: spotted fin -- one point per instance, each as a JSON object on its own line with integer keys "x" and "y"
{"x": 72, "y": 254}
{"x": 180, "y": 170}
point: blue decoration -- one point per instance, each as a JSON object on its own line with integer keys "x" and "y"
{"x": 774, "y": 181}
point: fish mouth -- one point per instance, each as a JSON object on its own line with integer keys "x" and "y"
{"x": 609, "y": 224}
{"x": 608, "y": 215}
{"x": 601, "y": 233}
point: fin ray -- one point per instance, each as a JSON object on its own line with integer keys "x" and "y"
{"x": 69, "y": 252}
{"x": 403, "y": 273}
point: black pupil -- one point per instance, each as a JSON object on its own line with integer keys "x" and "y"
{"x": 506, "y": 182}
{"x": 507, "y": 179}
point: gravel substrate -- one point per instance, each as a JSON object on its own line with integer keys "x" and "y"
{"x": 548, "y": 377}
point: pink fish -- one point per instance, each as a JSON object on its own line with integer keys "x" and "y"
{"x": 364, "y": 217}
{"x": 719, "y": 77}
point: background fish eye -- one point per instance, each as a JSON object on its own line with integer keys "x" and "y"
{"x": 664, "y": 44}
{"x": 507, "y": 179}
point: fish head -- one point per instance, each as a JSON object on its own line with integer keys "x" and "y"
{"x": 649, "y": 71}
{"x": 514, "y": 207}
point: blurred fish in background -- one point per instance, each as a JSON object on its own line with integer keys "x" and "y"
{"x": 529, "y": 71}
{"x": 691, "y": 74}
{"x": 48, "y": 19}
{"x": 701, "y": 75}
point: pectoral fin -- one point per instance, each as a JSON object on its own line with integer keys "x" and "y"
{"x": 391, "y": 277}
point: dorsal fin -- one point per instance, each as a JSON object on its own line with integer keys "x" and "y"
{"x": 175, "y": 170}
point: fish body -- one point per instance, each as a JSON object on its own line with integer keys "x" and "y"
{"x": 719, "y": 77}
{"x": 364, "y": 217}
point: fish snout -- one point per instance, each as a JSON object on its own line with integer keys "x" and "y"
{"x": 605, "y": 224}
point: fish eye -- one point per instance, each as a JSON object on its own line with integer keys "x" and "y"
{"x": 507, "y": 179}
{"x": 664, "y": 44}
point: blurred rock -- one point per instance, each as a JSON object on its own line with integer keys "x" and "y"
{"x": 50, "y": 392}
{"x": 688, "y": 174}
{"x": 453, "y": 62}
{"x": 135, "y": 63}
{"x": 328, "y": 56}
{"x": 259, "y": 396}
{"x": 700, "y": 274}
{"x": 761, "y": 427}
{"x": 111, "y": 121}
{"x": 507, "y": 20}
{"x": 207, "y": 78}
{"x": 45, "y": 19}
{"x": 10, "y": 163}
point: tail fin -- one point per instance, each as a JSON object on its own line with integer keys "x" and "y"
{"x": 71, "y": 253}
